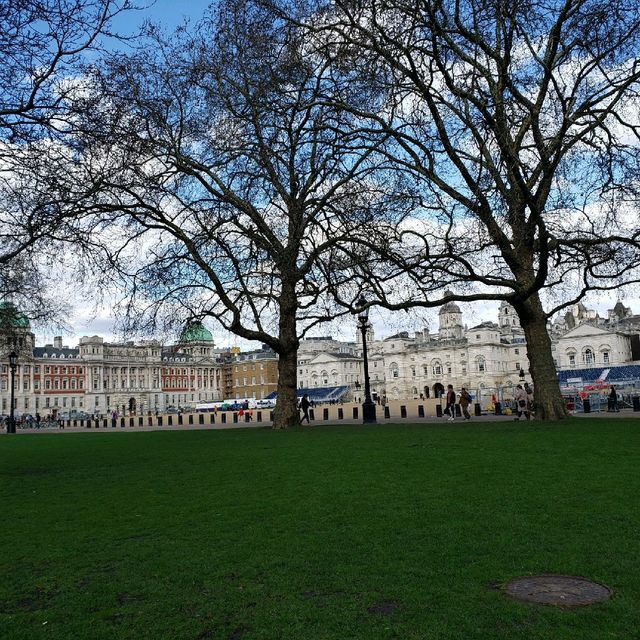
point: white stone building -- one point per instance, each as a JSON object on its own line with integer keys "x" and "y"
{"x": 487, "y": 358}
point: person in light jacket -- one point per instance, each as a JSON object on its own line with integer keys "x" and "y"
{"x": 520, "y": 397}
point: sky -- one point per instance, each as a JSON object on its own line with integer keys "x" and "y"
{"x": 88, "y": 319}
{"x": 170, "y": 13}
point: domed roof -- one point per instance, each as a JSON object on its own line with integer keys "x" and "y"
{"x": 10, "y": 317}
{"x": 196, "y": 332}
{"x": 450, "y": 307}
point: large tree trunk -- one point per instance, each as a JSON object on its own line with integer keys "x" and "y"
{"x": 546, "y": 391}
{"x": 285, "y": 414}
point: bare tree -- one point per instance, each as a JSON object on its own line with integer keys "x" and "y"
{"x": 224, "y": 186}
{"x": 42, "y": 44}
{"x": 521, "y": 121}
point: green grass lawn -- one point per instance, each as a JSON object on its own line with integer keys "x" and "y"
{"x": 394, "y": 531}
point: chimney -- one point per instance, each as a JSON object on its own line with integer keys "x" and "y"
{"x": 57, "y": 342}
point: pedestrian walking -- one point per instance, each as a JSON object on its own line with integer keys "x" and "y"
{"x": 529, "y": 392}
{"x": 450, "y": 408}
{"x": 613, "y": 401}
{"x": 520, "y": 397}
{"x": 464, "y": 402}
{"x": 304, "y": 407}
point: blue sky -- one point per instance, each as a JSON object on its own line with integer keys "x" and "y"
{"x": 167, "y": 12}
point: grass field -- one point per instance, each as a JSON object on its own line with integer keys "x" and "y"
{"x": 394, "y": 531}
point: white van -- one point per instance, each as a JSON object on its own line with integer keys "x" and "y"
{"x": 265, "y": 404}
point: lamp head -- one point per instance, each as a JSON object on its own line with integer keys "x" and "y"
{"x": 13, "y": 359}
{"x": 361, "y": 309}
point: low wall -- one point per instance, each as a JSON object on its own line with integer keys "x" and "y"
{"x": 392, "y": 412}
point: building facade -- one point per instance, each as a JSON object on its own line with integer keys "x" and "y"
{"x": 99, "y": 377}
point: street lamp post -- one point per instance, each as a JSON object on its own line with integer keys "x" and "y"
{"x": 368, "y": 407}
{"x": 13, "y": 364}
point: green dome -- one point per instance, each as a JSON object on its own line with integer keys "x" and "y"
{"x": 10, "y": 317}
{"x": 196, "y": 332}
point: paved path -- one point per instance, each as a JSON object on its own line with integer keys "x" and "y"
{"x": 487, "y": 417}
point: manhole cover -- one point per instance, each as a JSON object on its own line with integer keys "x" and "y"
{"x": 565, "y": 591}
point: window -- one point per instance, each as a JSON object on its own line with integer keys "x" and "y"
{"x": 605, "y": 357}
{"x": 481, "y": 364}
{"x": 516, "y": 351}
{"x": 572, "y": 359}
{"x": 588, "y": 356}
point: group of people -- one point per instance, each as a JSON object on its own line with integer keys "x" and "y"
{"x": 523, "y": 398}
{"x": 464, "y": 400}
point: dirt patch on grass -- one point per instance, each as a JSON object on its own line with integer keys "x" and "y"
{"x": 384, "y": 608}
{"x": 128, "y": 598}
{"x": 35, "y": 601}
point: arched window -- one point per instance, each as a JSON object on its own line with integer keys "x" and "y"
{"x": 393, "y": 370}
{"x": 436, "y": 367}
{"x": 481, "y": 364}
{"x": 587, "y": 356}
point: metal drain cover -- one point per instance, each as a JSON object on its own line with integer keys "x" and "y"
{"x": 566, "y": 591}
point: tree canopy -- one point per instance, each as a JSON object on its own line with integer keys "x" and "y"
{"x": 520, "y": 121}
{"x": 42, "y": 46}
{"x": 219, "y": 182}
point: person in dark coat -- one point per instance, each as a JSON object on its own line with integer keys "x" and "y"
{"x": 450, "y": 409}
{"x": 613, "y": 400}
{"x": 304, "y": 407}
